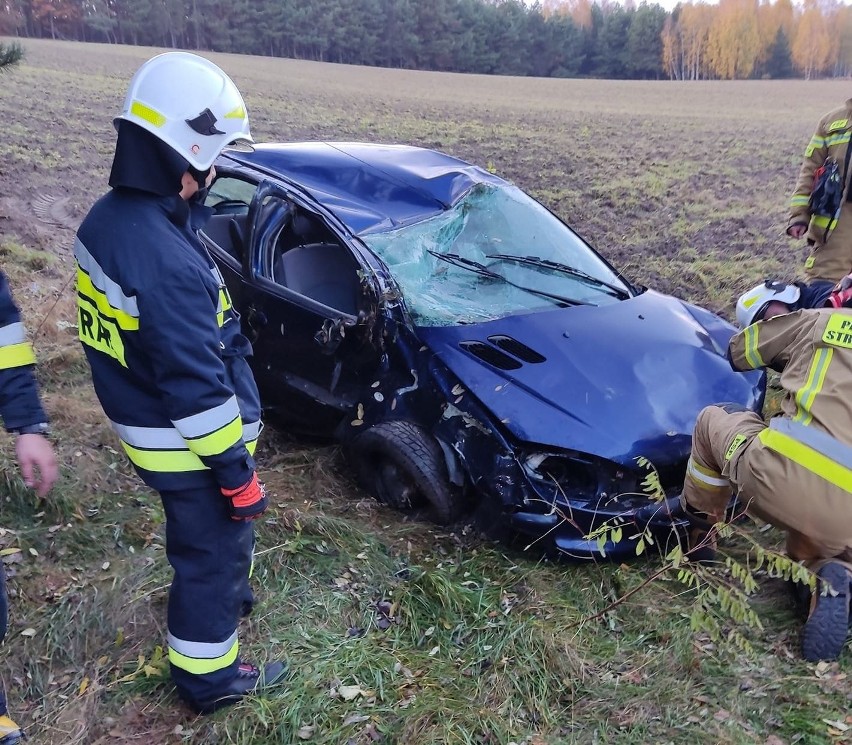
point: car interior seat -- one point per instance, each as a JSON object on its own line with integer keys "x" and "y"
{"x": 324, "y": 272}
{"x": 236, "y": 231}
{"x": 227, "y": 231}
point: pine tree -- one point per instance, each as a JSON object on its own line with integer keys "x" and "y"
{"x": 780, "y": 61}
{"x": 10, "y": 54}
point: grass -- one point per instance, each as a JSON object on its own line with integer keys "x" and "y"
{"x": 399, "y": 632}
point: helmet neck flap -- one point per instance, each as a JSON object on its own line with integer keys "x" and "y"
{"x": 145, "y": 163}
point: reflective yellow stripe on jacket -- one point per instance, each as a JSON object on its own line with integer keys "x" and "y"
{"x": 15, "y": 350}
{"x": 224, "y": 303}
{"x": 807, "y": 394}
{"x": 752, "y": 355}
{"x": 103, "y": 308}
{"x": 213, "y": 431}
{"x": 165, "y": 450}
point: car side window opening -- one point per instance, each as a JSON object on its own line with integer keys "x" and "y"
{"x": 446, "y": 265}
{"x": 300, "y": 252}
{"x": 230, "y": 199}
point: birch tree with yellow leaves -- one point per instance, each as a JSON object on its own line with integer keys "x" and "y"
{"x": 816, "y": 41}
{"x": 733, "y": 46}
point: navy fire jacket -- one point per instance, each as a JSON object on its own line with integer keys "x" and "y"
{"x": 19, "y": 402}
{"x": 164, "y": 345}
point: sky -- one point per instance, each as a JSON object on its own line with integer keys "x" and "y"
{"x": 670, "y": 4}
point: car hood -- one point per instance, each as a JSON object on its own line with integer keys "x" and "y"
{"x": 617, "y": 381}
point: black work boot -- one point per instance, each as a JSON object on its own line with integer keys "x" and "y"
{"x": 250, "y": 680}
{"x": 827, "y": 626}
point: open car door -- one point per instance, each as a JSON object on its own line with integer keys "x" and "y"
{"x": 300, "y": 307}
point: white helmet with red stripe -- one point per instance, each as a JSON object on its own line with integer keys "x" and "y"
{"x": 190, "y": 104}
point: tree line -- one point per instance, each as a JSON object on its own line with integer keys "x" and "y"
{"x": 551, "y": 38}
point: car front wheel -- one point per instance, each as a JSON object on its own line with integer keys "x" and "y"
{"x": 403, "y": 467}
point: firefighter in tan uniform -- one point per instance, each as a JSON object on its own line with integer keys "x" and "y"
{"x": 796, "y": 471}
{"x": 818, "y": 206}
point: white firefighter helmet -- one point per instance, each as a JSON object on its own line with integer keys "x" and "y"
{"x": 190, "y": 104}
{"x": 751, "y": 304}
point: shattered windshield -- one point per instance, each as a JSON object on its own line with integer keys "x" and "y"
{"x": 496, "y": 253}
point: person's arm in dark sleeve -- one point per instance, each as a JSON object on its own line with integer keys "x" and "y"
{"x": 179, "y": 330}
{"x": 19, "y": 402}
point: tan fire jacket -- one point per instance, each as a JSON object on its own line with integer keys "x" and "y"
{"x": 812, "y": 349}
{"x": 831, "y": 241}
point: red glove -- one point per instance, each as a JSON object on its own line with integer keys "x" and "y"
{"x": 248, "y": 501}
{"x": 840, "y": 299}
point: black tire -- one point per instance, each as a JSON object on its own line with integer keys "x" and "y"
{"x": 402, "y": 466}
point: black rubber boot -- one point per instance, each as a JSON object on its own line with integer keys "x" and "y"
{"x": 250, "y": 680}
{"x": 827, "y": 627}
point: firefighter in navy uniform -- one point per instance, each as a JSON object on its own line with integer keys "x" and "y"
{"x": 24, "y": 417}
{"x": 169, "y": 362}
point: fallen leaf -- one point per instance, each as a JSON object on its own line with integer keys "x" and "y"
{"x": 306, "y": 732}
{"x": 348, "y": 693}
{"x": 839, "y": 726}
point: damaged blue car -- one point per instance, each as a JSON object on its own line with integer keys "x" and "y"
{"x": 471, "y": 353}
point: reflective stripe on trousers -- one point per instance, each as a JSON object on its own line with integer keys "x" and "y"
{"x": 200, "y": 658}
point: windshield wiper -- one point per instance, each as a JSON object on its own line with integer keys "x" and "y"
{"x": 484, "y": 271}
{"x": 565, "y": 269}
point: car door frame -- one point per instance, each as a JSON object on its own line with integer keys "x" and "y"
{"x": 329, "y": 395}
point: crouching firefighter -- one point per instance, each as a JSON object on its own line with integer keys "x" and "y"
{"x": 796, "y": 471}
{"x": 168, "y": 361}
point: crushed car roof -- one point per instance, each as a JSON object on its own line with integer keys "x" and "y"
{"x": 370, "y": 188}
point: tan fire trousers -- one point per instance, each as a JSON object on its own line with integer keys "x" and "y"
{"x": 728, "y": 458}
